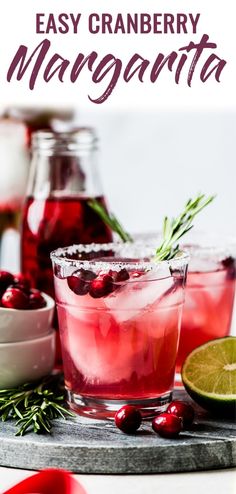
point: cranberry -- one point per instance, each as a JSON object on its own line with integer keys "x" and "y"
{"x": 77, "y": 285}
{"x": 14, "y": 298}
{"x": 128, "y": 419}
{"x": 86, "y": 274}
{"x": 183, "y": 410}
{"x": 167, "y": 425}
{"x": 101, "y": 286}
{"x": 6, "y": 279}
{"x": 118, "y": 276}
{"x": 79, "y": 282}
{"x": 36, "y": 300}
{"x": 21, "y": 287}
{"x": 22, "y": 281}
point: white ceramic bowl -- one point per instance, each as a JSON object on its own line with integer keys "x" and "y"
{"x": 21, "y": 325}
{"x": 26, "y": 361}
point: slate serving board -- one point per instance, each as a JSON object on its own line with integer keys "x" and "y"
{"x": 87, "y": 446}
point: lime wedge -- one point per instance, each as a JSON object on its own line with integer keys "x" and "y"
{"x": 209, "y": 376}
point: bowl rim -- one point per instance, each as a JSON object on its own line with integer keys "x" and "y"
{"x": 49, "y": 335}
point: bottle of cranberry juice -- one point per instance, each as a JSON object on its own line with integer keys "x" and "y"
{"x": 63, "y": 177}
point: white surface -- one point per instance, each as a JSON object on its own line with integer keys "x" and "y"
{"x": 213, "y": 482}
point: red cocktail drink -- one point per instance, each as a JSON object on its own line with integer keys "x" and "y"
{"x": 119, "y": 318}
{"x": 209, "y": 298}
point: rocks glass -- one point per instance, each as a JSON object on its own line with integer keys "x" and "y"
{"x": 119, "y": 319}
{"x": 209, "y": 294}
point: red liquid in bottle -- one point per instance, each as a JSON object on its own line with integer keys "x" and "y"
{"x": 63, "y": 177}
{"x": 52, "y": 223}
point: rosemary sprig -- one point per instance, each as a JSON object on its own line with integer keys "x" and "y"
{"x": 34, "y": 405}
{"x": 110, "y": 220}
{"x": 175, "y": 228}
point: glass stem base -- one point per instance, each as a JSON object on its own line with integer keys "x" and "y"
{"x": 101, "y": 408}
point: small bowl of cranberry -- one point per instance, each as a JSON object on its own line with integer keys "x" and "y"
{"x": 25, "y": 313}
{"x": 27, "y": 342}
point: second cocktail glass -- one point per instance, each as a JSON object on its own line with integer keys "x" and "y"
{"x": 119, "y": 318}
{"x": 209, "y": 295}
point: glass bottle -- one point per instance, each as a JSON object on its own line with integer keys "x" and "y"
{"x": 63, "y": 176}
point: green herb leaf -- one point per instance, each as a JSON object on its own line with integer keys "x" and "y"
{"x": 175, "y": 228}
{"x": 31, "y": 406}
{"x": 110, "y": 220}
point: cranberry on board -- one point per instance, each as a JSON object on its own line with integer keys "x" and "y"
{"x": 14, "y": 298}
{"x": 183, "y": 410}
{"x": 167, "y": 425}
{"x": 128, "y": 419}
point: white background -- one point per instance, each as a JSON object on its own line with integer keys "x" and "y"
{"x": 160, "y": 142}
{"x": 217, "y": 20}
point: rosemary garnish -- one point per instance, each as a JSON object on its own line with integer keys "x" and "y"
{"x": 110, "y": 220}
{"x": 34, "y": 405}
{"x": 175, "y": 228}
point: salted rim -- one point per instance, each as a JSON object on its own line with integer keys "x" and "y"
{"x": 59, "y": 257}
{"x": 216, "y": 247}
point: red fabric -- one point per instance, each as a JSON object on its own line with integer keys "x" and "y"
{"x": 48, "y": 482}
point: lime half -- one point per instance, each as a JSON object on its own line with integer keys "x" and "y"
{"x": 209, "y": 376}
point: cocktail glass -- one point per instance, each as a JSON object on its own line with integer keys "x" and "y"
{"x": 209, "y": 295}
{"x": 119, "y": 319}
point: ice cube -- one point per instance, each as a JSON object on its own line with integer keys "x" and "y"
{"x": 102, "y": 351}
{"x": 131, "y": 299}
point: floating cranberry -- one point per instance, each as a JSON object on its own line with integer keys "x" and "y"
{"x": 79, "y": 282}
{"x": 118, "y": 276}
{"x": 36, "y": 300}
{"x": 183, "y": 410}
{"x": 14, "y": 298}
{"x": 128, "y": 419}
{"x": 78, "y": 285}
{"x": 101, "y": 286}
{"x": 87, "y": 274}
{"x": 167, "y": 425}
{"x": 6, "y": 279}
